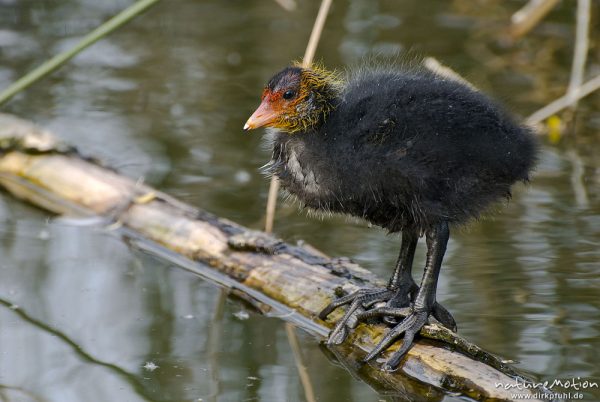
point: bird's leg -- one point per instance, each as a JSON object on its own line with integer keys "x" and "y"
{"x": 402, "y": 282}
{"x": 405, "y": 290}
{"x": 399, "y": 292}
{"x": 424, "y": 304}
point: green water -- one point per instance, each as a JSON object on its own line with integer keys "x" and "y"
{"x": 165, "y": 99}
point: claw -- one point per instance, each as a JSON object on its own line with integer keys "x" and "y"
{"x": 409, "y": 336}
{"x": 359, "y": 301}
{"x": 338, "y": 335}
{"x": 341, "y": 330}
{"x": 410, "y": 326}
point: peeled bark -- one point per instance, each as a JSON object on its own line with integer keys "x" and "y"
{"x": 292, "y": 282}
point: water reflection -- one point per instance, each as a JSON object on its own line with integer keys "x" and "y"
{"x": 164, "y": 99}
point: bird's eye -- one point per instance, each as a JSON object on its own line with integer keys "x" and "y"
{"x": 289, "y": 94}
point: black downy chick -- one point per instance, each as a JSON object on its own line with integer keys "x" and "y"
{"x": 410, "y": 151}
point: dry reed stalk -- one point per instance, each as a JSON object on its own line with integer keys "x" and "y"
{"x": 306, "y": 62}
{"x": 564, "y": 101}
{"x": 529, "y": 16}
{"x": 57, "y": 61}
{"x": 581, "y": 50}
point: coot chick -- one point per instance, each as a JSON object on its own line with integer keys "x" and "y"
{"x": 407, "y": 150}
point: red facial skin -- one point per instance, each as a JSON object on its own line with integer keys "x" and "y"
{"x": 271, "y": 108}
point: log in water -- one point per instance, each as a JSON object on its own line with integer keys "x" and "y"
{"x": 292, "y": 282}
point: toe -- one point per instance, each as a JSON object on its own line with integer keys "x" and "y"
{"x": 384, "y": 312}
{"x": 410, "y": 326}
{"x": 366, "y": 298}
{"x": 338, "y": 303}
{"x": 338, "y": 335}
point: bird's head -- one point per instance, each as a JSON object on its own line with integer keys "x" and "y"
{"x": 296, "y": 99}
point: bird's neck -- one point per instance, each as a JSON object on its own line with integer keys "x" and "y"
{"x": 298, "y": 162}
{"x": 321, "y": 97}
{"x": 326, "y": 84}
{"x": 284, "y": 145}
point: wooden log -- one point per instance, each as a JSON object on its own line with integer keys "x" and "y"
{"x": 292, "y": 282}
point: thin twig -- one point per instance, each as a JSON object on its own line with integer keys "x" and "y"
{"x": 529, "y": 16}
{"x": 271, "y": 203}
{"x": 306, "y": 62}
{"x": 315, "y": 35}
{"x": 564, "y": 101}
{"x": 577, "y": 179}
{"x": 215, "y": 334}
{"x": 302, "y": 371}
{"x": 49, "y": 66}
{"x": 433, "y": 64}
{"x": 581, "y": 50}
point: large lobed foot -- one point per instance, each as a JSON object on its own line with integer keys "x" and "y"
{"x": 413, "y": 320}
{"x": 402, "y": 298}
{"x": 359, "y": 302}
{"x": 365, "y": 304}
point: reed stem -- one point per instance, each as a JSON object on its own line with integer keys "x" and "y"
{"x": 309, "y": 54}
{"x": 49, "y": 66}
{"x": 581, "y": 50}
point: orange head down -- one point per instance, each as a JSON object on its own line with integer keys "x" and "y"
{"x": 296, "y": 99}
